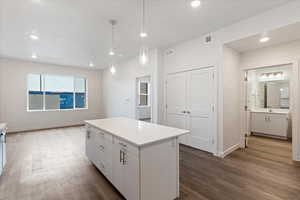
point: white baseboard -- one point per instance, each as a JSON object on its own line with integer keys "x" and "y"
{"x": 296, "y": 158}
{"x": 229, "y": 150}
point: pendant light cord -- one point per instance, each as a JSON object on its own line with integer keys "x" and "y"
{"x": 143, "y": 15}
{"x": 112, "y": 36}
{"x": 113, "y": 23}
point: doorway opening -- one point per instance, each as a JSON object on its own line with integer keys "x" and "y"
{"x": 268, "y": 112}
{"x": 143, "y": 99}
{"x": 268, "y": 73}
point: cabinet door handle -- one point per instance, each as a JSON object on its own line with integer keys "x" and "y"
{"x": 102, "y": 147}
{"x": 124, "y": 159}
{"x": 188, "y": 112}
{"x": 88, "y": 134}
{"x": 183, "y": 111}
{"x": 120, "y": 156}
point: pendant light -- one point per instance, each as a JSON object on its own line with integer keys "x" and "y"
{"x": 143, "y": 33}
{"x": 144, "y": 55}
{"x": 112, "y": 69}
{"x": 112, "y": 50}
{"x": 144, "y": 52}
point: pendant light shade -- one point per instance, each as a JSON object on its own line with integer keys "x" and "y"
{"x": 112, "y": 69}
{"x": 112, "y": 49}
{"x": 144, "y": 56}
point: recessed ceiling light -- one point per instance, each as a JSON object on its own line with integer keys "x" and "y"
{"x": 91, "y": 64}
{"x": 195, "y": 3}
{"x": 34, "y": 37}
{"x": 143, "y": 34}
{"x": 264, "y": 39}
{"x": 34, "y": 56}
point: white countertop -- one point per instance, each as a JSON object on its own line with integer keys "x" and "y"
{"x": 274, "y": 111}
{"x": 136, "y": 132}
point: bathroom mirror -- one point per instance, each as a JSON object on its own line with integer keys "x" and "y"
{"x": 274, "y": 94}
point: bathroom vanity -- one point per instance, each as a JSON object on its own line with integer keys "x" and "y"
{"x": 272, "y": 124}
{"x": 140, "y": 159}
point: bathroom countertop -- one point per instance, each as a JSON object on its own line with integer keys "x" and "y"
{"x": 274, "y": 111}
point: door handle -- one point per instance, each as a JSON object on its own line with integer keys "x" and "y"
{"x": 188, "y": 112}
{"x": 183, "y": 111}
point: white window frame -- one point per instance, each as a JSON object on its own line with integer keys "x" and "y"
{"x": 42, "y": 75}
{"x": 142, "y": 94}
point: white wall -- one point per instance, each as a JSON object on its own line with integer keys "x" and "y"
{"x": 195, "y": 53}
{"x": 13, "y": 96}
{"x": 271, "y": 56}
{"x": 232, "y": 104}
{"x": 119, "y": 90}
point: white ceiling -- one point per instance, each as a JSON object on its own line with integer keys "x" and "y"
{"x": 74, "y": 32}
{"x": 278, "y": 36}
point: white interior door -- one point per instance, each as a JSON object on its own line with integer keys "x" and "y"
{"x": 176, "y": 102}
{"x": 200, "y": 103}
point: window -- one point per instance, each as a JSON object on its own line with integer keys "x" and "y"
{"x": 144, "y": 93}
{"x": 51, "y": 92}
{"x": 80, "y": 99}
{"x": 35, "y": 96}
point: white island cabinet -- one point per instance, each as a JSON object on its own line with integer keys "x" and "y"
{"x": 140, "y": 159}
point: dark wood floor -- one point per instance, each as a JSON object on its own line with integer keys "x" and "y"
{"x": 52, "y": 165}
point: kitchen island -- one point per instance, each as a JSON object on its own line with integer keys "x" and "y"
{"x": 3, "y": 129}
{"x": 140, "y": 159}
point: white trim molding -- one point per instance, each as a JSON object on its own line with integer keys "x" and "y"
{"x": 229, "y": 150}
